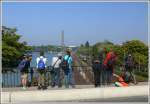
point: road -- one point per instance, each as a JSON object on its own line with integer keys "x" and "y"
{"x": 129, "y": 100}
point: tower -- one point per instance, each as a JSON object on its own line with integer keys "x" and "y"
{"x": 62, "y": 41}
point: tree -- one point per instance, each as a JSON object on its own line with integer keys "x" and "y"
{"x": 87, "y": 44}
{"x": 12, "y": 49}
{"x": 138, "y": 49}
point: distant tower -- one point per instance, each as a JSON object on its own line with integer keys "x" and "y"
{"x": 62, "y": 41}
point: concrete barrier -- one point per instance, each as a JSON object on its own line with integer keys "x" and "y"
{"x": 74, "y": 94}
{"x": 5, "y": 97}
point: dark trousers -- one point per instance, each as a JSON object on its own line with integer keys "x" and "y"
{"x": 132, "y": 75}
{"x": 103, "y": 76}
{"x": 109, "y": 75}
{"x": 96, "y": 77}
{"x": 99, "y": 75}
{"x": 55, "y": 76}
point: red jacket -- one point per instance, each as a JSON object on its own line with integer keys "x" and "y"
{"x": 108, "y": 56}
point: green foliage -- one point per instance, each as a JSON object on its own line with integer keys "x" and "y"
{"x": 105, "y": 45}
{"x": 46, "y": 48}
{"x": 84, "y": 50}
{"x": 12, "y": 49}
{"x": 135, "y": 46}
{"x": 138, "y": 49}
{"x": 140, "y": 58}
{"x": 87, "y": 44}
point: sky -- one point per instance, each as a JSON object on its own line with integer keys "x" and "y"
{"x": 41, "y": 23}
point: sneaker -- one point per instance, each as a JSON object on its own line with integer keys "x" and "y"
{"x": 44, "y": 87}
{"x": 39, "y": 87}
{"x": 23, "y": 88}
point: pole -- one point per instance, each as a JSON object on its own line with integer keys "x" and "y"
{"x": 62, "y": 41}
{"x": 124, "y": 59}
{"x": 139, "y": 63}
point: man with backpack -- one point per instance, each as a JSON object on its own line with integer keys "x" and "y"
{"x": 129, "y": 65}
{"x": 68, "y": 70}
{"x": 109, "y": 65}
{"x": 55, "y": 72}
{"x": 41, "y": 65}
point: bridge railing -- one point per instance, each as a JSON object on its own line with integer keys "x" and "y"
{"x": 82, "y": 74}
{"x": 12, "y": 78}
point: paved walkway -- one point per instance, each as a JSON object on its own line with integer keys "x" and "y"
{"x": 83, "y": 94}
{"x": 63, "y": 88}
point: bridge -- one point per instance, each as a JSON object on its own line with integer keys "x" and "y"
{"x": 84, "y": 90}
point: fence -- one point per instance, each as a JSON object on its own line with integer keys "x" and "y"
{"x": 12, "y": 78}
{"x": 83, "y": 76}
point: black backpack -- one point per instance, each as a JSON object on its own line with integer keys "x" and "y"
{"x": 110, "y": 62}
{"x": 129, "y": 62}
{"x": 64, "y": 64}
{"x": 22, "y": 65}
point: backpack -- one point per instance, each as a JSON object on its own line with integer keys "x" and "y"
{"x": 129, "y": 62}
{"x": 41, "y": 64}
{"x": 110, "y": 62}
{"x": 21, "y": 65}
{"x": 127, "y": 77}
{"x": 65, "y": 64}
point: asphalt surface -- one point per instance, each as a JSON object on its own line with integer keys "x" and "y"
{"x": 127, "y": 100}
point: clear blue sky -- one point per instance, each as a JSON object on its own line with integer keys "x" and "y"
{"x": 42, "y": 23}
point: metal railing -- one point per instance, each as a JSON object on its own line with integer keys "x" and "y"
{"x": 12, "y": 78}
{"x": 82, "y": 75}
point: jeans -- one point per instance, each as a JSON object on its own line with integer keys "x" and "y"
{"x": 69, "y": 80}
{"x": 109, "y": 74}
{"x": 55, "y": 75}
{"x": 97, "y": 74}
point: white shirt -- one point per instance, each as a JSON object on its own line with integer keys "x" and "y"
{"x": 38, "y": 59}
{"x": 54, "y": 59}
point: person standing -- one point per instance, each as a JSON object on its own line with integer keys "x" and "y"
{"x": 109, "y": 65}
{"x": 96, "y": 70}
{"x": 129, "y": 66}
{"x": 41, "y": 66}
{"x": 55, "y": 73}
{"x": 102, "y": 70}
{"x": 29, "y": 58}
{"x": 23, "y": 67}
{"x": 68, "y": 70}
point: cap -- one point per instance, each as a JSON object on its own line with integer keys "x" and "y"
{"x": 68, "y": 50}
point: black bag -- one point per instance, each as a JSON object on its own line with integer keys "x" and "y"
{"x": 65, "y": 64}
{"x": 110, "y": 62}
